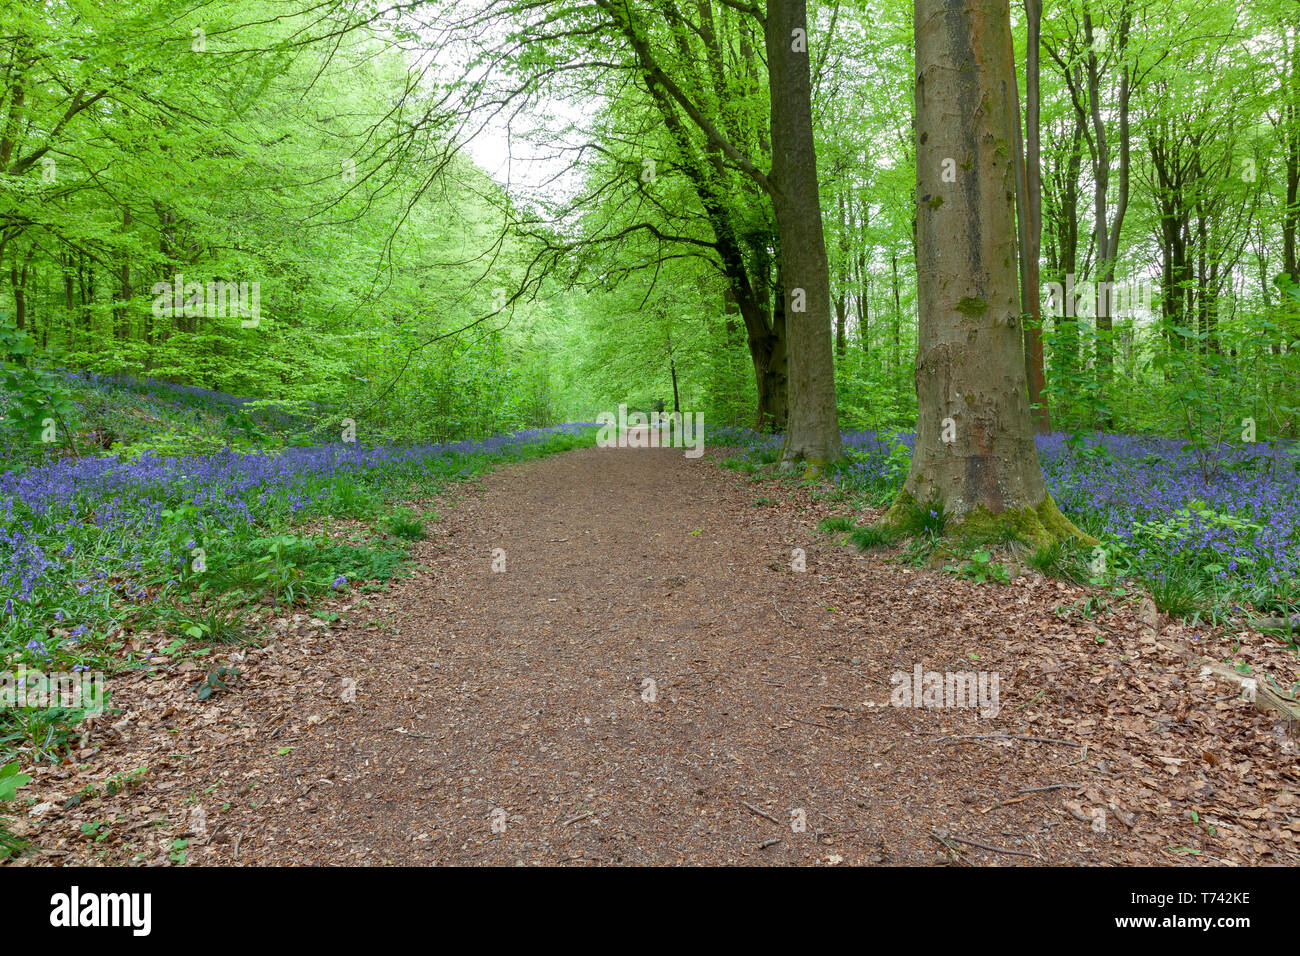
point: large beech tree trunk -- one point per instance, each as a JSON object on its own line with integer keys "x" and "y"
{"x": 812, "y": 427}
{"x": 975, "y": 453}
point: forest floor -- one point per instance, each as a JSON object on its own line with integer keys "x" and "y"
{"x": 468, "y": 716}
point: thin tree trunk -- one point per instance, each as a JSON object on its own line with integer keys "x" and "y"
{"x": 864, "y": 303}
{"x": 677, "y": 398}
{"x": 1032, "y": 218}
{"x": 122, "y": 314}
{"x": 843, "y": 269}
{"x": 18, "y": 283}
{"x": 897, "y": 358}
{"x": 69, "y": 306}
{"x": 1107, "y": 238}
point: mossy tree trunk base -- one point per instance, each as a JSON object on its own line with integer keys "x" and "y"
{"x": 974, "y": 452}
{"x": 810, "y": 467}
{"x": 1040, "y": 526}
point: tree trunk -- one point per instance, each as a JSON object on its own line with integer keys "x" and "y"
{"x": 766, "y": 341}
{"x": 975, "y": 455}
{"x": 812, "y": 429}
{"x": 672, "y": 370}
{"x": 1291, "y": 133}
{"x": 729, "y": 312}
{"x": 1032, "y": 223}
{"x": 1107, "y": 239}
{"x": 18, "y": 283}
{"x": 69, "y": 307}
{"x": 122, "y": 314}
{"x": 844, "y": 273}
{"x": 766, "y": 338}
{"x": 864, "y": 302}
{"x": 897, "y": 358}
{"x": 841, "y": 321}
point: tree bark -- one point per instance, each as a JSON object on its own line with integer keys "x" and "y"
{"x": 18, "y": 284}
{"x": 897, "y": 358}
{"x": 1290, "y": 131}
{"x": 843, "y": 270}
{"x": 812, "y": 429}
{"x": 975, "y": 455}
{"x": 122, "y": 314}
{"x": 767, "y": 350}
{"x": 1032, "y": 220}
{"x": 1107, "y": 239}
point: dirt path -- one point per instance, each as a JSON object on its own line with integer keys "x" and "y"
{"x": 506, "y": 717}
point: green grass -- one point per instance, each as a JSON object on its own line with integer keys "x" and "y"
{"x": 404, "y": 523}
{"x": 840, "y": 524}
{"x": 210, "y": 622}
{"x": 873, "y": 536}
{"x": 1178, "y": 595}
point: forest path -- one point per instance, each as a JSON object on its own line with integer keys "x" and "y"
{"x": 502, "y": 717}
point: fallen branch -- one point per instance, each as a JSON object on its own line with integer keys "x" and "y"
{"x": 1040, "y": 740}
{"x": 783, "y": 617}
{"x": 753, "y": 809}
{"x": 1055, "y": 786}
{"x": 412, "y": 733}
{"x": 943, "y": 838}
{"x": 1291, "y": 623}
{"x": 1026, "y": 794}
{"x": 1007, "y": 803}
{"x": 811, "y": 723}
{"x": 952, "y": 848}
{"x": 1252, "y": 689}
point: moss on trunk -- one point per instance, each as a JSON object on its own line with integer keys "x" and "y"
{"x": 1039, "y": 526}
{"x": 810, "y": 467}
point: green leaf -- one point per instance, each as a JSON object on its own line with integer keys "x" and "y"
{"x": 11, "y": 780}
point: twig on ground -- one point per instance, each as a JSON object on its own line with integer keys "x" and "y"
{"x": 983, "y": 846}
{"x": 1026, "y": 794}
{"x": 782, "y": 613}
{"x": 1007, "y": 803}
{"x": 812, "y": 723}
{"x": 953, "y": 850}
{"x": 1040, "y": 740}
{"x": 1032, "y": 699}
{"x": 762, "y": 813}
